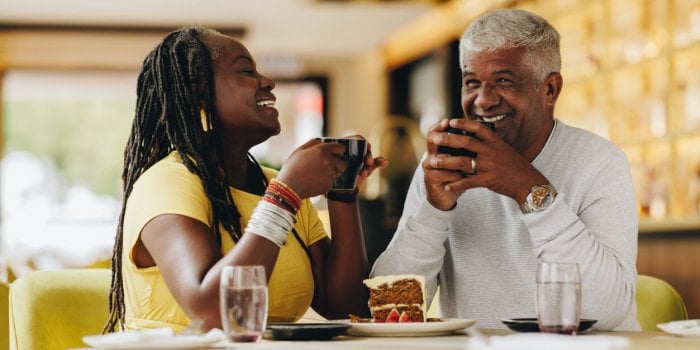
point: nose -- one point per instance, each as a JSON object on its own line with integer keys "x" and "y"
{"x": 266, "y": 83}
{"x": 487, "y": 97}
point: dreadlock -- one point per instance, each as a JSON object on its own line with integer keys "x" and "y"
{"x": 176, "y": 81}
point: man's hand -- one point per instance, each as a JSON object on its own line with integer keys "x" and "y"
{"x": 497, "y": 165}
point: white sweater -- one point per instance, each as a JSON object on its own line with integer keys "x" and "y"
{"x": 483, "y": 254}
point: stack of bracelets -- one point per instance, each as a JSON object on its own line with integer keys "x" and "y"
{"x": 274, "y": 216}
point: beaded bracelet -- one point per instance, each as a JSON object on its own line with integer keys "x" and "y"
{"x": 278, "y": 193}
{"x": 286, "y": 189}
{"x": 280, "y": 202}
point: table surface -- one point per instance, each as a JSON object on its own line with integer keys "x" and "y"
{"x": 459, "y": 340}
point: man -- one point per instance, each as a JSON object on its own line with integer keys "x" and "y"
{"x": 537, "y": 189}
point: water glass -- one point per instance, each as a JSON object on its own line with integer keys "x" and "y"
{"x": 558, "y": 297}
{"x": 243, "y": 294}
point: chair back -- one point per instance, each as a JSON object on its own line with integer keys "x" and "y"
{"x": 657, "y": 302}
{"x": 54, "y": 309}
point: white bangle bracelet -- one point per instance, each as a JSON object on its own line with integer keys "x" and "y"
{"x": 271, "y": 222}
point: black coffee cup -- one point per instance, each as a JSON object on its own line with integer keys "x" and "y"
{"x": 354, "y": 156}
{"x": 462, "y": 152}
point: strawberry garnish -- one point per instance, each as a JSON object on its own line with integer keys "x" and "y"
{"x": 393, "y": 316}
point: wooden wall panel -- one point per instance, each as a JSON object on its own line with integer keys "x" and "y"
{"x": 675, "y": 259}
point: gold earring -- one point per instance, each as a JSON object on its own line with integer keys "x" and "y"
{"x": 203, "y": 117}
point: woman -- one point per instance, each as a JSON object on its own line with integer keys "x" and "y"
{"x": 196, "y": 200}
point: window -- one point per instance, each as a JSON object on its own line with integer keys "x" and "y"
{"x": 64, "y": 138}
{"x": 64, "y": 134}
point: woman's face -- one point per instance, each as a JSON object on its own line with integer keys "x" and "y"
{"x": 244, "y": 99}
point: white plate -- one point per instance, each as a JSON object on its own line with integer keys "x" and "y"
{"x": 689, "y": 328}
{"x": 152, "y": 339}
{"x": 409, "y": 329}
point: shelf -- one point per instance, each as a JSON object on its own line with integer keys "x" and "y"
{"x": 669, "y": 226}
{"x": 631, "y": 75}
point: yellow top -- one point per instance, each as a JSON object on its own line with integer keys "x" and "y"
{"x": 169, "y": 188}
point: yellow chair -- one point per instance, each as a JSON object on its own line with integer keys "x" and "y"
{"x": 4, "y": 316}
{"x": 54, "y": 309}
{"x": 434, "y": 309}
{"x": 657, "y": 302}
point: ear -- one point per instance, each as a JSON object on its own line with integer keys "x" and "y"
{"x": 551, "y": 88}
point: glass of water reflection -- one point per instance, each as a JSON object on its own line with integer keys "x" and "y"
{"x": 558, "y": 297}
{"x": 243, "y": 294}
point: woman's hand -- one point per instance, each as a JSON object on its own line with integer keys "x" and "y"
{"x": 312, "y": 167}
{"x": 371, "y": 164}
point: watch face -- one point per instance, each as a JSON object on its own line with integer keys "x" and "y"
{"x": 538, "y": 195}
{"x": 539, "y": 198}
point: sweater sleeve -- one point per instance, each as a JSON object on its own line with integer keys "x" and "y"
{"x": 418, "y": 245}
{"x": 601, "y": 236}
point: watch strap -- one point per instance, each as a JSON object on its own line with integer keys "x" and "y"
{"x": 346, "y": 196}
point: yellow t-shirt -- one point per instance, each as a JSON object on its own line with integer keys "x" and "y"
{"x": 169, "y": 188}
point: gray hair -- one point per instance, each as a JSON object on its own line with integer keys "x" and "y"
{"x": 513, "y": 28}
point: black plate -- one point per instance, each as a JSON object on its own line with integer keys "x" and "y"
{"x": 305, "y": 331}
{"x": 530, "y": 324}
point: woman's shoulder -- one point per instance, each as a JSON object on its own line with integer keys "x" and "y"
{"x": 168, "y": 170}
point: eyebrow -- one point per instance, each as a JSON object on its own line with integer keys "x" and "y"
{"x": 500, "y": 71}
{"x": 505, "y": 71}
{"x": 244, "y": 58}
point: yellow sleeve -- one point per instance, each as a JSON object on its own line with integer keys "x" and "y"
{"x": 165, "y": 188}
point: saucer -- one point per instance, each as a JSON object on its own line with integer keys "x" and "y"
{"x": 305, "y": 331}
{"x": 530, "y": 324}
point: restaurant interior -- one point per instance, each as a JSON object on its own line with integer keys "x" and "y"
{"x": 383, "y": 69}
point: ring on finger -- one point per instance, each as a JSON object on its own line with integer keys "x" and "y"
{"x": 473, "y": 166}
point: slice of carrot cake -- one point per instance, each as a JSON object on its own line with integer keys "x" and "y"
{"x": 397, "y": 298}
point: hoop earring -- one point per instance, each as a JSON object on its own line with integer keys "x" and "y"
{"x": 206, "y": 126}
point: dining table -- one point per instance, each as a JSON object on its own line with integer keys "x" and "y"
{"x": 475, "y": 338}
{"x": 463, "y": 340}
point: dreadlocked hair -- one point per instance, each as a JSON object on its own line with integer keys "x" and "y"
{"x": 176, "y": 81}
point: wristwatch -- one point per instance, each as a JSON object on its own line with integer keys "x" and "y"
{"x": 539, "y": 198}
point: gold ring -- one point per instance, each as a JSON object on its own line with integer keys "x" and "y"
{"x": 473, "y": 165}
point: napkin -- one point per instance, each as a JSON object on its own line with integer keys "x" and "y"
{"x": 687, "y": 327}
{"x": 152, "y": 338}
{"x": 548, "y": 341}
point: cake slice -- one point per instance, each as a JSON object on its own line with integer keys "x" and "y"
{"x": 397, "y": 298}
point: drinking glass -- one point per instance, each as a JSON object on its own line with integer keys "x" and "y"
{"x": 558, "y": 297}
{"x": 243, "y": 296}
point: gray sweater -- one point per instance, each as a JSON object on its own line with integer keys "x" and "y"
{"x": 483, "y": 254}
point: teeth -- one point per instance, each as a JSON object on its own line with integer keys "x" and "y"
{"x": 495, "y": 118}
{"x": 266, "y": 103}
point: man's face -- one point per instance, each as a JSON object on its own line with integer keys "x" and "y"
{"x": 497, "y": 86}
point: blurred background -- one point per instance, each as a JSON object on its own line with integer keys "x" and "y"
{"x": 383, "y": 69}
